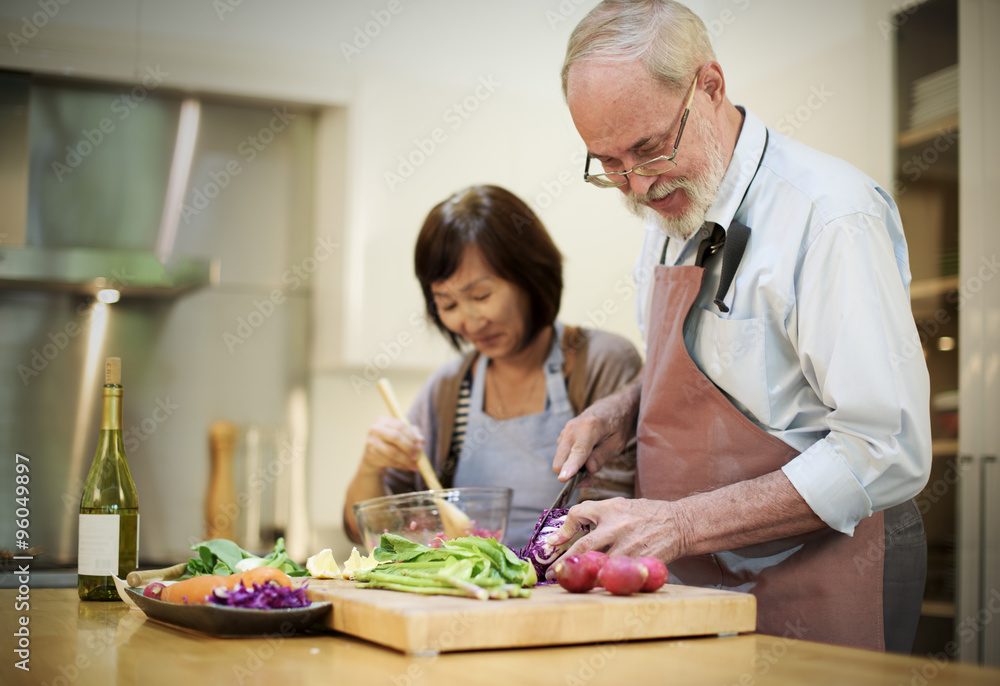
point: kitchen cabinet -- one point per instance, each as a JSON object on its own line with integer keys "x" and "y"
{"x": 926, "y": 190}
{"x": 978, "y": 564}
{"x": 945, "y": 154}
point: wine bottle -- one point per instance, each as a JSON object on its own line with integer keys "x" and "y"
{"x": 109, "y": 507}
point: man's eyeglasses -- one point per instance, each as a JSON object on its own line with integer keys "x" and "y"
{"x": 654, "y": 167}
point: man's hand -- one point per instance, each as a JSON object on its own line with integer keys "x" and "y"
{"x": 598, "y": 433}
{"x": 622, "y": 526}
{"x": 745, "y": 513}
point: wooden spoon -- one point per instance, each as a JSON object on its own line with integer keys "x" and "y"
{"x": 456, "y": 523}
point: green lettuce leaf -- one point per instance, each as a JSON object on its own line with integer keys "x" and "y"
{"x": 220, "y": 556}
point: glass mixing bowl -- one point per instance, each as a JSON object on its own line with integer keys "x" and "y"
{"x": 416, "y": 516}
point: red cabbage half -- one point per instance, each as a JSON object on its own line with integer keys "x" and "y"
{"x": 266, "y": 596}
{"x": 538, "y": 552}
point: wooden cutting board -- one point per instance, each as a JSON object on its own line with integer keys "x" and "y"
{"x": 416, "y": 623}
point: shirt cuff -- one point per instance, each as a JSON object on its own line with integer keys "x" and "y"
{"x": 828, "y": 486}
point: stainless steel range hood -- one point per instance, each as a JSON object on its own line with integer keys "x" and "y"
{"x": 87, "y": 177}
{"x": 90, "y": 270}
{"x": 14, "y": 96}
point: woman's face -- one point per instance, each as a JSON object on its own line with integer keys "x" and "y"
{"x": 481, "y": 307}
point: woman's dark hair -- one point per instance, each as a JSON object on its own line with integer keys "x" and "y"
{"x": 510, "y": 238}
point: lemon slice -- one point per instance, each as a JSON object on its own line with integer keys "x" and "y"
{"x": 322, "y": 565}
{"x": 357, "y": 563}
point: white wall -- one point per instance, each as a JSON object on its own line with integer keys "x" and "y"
{"x": 817, "y": 70}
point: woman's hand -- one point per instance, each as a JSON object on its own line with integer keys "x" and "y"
{"x": 392, "y": 444}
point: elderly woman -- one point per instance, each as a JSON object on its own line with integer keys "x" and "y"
{"x": 492, "y": 283}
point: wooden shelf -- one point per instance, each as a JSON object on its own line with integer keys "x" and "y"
{"x": 937, "y": 608}
{"x": 927, "y": 170}
{"x": 928, "y": 132}
{"x": 923, "y": 289}
{"x": 944, "y": 447}
{"x": 927, "y": 297}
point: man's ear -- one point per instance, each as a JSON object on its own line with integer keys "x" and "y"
{"x": 713, "y": 82}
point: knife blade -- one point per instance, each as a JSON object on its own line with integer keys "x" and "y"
{"x": 560, "y": 502}
{"x": 567, "y": 490}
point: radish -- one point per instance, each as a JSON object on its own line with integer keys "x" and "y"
{"x": 596, "y": 558}
{"x": 622, "y": 575}
{"x": 575, "y": 573}
{"x": 657, "y": 574}
{"x": 154, "y": 590}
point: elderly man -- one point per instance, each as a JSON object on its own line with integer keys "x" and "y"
{"x": 782, "y": 418}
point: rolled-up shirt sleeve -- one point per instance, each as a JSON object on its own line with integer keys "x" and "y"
{"x": 860, "y": 352}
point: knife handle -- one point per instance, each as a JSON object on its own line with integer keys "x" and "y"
{"x": 136, "y": 579}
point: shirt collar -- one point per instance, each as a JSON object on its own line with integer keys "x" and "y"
{"x": 746, "y": 158}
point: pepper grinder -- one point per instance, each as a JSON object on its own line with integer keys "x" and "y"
{"x": 221, "y": 510}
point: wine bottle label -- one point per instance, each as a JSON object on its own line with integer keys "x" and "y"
{"x": 98, "y": 545}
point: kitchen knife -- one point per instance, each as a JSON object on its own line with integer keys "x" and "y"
{"x": 560, "y": 502}
{"x": 567, "y": 490}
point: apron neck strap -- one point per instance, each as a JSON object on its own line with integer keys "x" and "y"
{"x": 710, "y": 245}
{"x": 736, "y": 243}
{"x": 738, "y": 235}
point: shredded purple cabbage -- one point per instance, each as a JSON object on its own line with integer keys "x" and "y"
{"x": 538, "y": 552}
{"x": 266, "y": 596}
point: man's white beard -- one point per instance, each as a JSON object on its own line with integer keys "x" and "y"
{"x": 700, "y": 190}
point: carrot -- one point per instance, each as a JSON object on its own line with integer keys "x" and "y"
{"x": 193, "y": 591}
{"x": 196, "y": 590}
{"x": 259, "y": 575}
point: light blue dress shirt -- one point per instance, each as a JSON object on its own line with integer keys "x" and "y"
{"x": 819, "y": 346}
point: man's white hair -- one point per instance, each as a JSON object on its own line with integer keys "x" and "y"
{"x": 666, "y": 36}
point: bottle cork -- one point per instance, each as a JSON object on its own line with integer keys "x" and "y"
{"x": 113, "y": 371}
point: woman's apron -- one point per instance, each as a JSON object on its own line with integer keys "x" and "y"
{"x": 822, "y": 586}
{"x": 517, "y": 452}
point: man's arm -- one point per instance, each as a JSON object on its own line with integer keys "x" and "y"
{"x": 744, "y": 513}
{"x": 859, "y": 350}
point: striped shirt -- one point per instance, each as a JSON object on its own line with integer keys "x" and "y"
{"x": 458, "y": 433}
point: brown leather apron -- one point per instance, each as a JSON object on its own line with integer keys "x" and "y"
{"x": 822, "y": 586}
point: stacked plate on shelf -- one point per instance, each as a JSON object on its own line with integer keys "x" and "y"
{"x": 933, "y": 97}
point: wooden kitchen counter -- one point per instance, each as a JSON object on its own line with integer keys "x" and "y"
{"x": 106, "y": 644}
